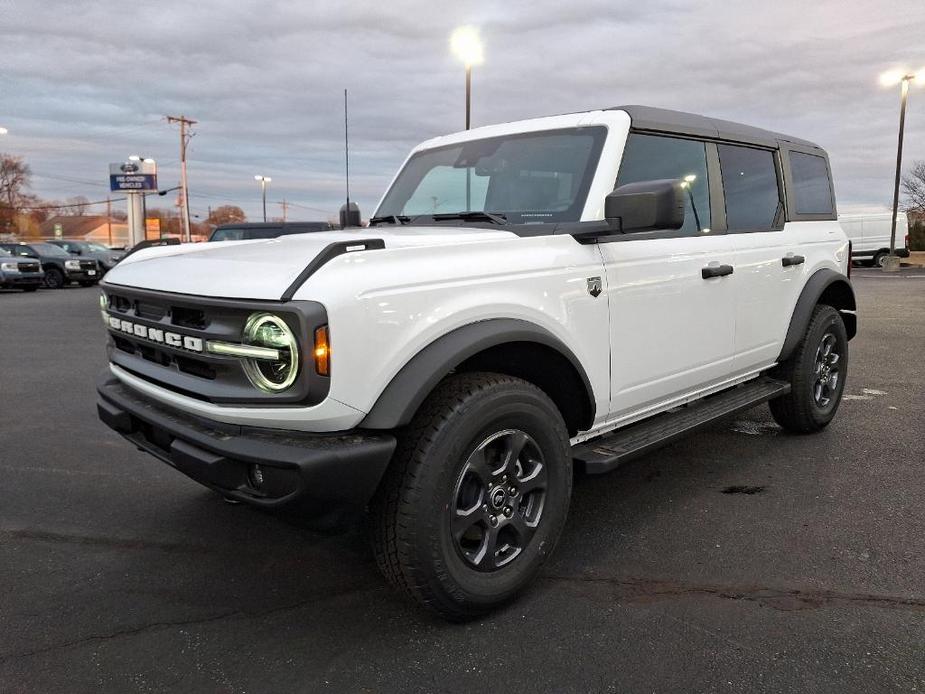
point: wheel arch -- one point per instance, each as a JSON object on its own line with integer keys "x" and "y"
{"x": 500, "y": 345}
{"x": 828, "y": 287}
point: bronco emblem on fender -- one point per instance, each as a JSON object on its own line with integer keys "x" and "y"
{"x": 594, "y": 286}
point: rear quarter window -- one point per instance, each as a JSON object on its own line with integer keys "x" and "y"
{"x": 812, "y": 190}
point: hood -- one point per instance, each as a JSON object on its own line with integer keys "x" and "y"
{"x": 264, "y": 269}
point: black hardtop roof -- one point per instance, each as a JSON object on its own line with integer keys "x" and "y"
{"x": 665, "y": 120}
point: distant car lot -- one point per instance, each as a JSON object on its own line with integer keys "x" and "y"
{"x": 740, "y": 559}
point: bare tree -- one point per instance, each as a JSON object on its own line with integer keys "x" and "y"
{"x": 76, "y": 206}
{"x": 226, "y": 214}
{"x": 14, "y": 179}
{"x": 914, "y": 188}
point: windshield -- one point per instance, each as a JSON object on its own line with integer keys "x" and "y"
{"x": 239, "y": 234}
{"x": 528, "y": 178}
{"x": 49, "y": 249}
{"x": 95, "y": 247}
{"x": 5, "y": 253}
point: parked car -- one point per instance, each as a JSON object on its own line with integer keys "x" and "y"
{"x": 268, "y": 230}
{"x": 20, "y": 273}
{"x": 511, "y": 314}
{"x": 870, "y": 236}
{"x": 106, "y": 257}
{"x": 60, "y": 267}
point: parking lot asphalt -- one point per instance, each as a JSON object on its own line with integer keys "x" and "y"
{"x": 119, "y": 574}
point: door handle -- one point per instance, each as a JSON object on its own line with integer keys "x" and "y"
{"x": 716, "y": 271}
{"x": 789, "y": 260}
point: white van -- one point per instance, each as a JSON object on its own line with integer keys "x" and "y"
{"x": 870, "y": 236}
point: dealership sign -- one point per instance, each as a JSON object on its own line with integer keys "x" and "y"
{"x": 133, "y": 176}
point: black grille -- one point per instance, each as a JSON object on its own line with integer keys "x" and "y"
{"x": 88, "y": 265}
{"x": 28, "y": 267}
{"x": 160, "y": 358}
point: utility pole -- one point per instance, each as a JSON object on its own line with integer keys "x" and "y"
{"x": 184, "y": 188}
{"x": 285, "y": 206}
{"x": 109, "y": 218}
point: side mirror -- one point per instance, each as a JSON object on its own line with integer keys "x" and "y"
{"x": 646, "y": 206}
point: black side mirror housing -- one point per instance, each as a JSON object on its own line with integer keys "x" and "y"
{"x": 646, "y": 206}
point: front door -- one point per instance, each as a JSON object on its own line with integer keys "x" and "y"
{"x": 672, "y": 324}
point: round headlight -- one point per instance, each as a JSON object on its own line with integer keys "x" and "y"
{"x": 269, "y": 331}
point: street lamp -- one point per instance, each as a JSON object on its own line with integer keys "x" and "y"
{"x": 467, "y": 46}
{"x": 891, "y": 79}
{"x": 263, "y": 180}
{"x": 3, "y": 131}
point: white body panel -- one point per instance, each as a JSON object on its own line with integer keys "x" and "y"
{"x": 657, "y": 336}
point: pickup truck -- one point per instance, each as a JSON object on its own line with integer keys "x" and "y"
{"x": 531, "y": 298}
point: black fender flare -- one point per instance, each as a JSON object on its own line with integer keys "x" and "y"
{"x": 406, "y": 391}
{"x": 824, "y": 281}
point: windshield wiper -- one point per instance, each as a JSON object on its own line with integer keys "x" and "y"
{"x": 390, "y": 218}
{"x": 473, "y": 216}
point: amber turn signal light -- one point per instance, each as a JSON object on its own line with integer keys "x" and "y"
{"x": 322, "y": 352}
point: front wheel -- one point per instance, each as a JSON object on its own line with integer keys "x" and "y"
{"x": 54, "y": 278}
{"x": 816, "y": 372}
{"x": 476, "y": 495}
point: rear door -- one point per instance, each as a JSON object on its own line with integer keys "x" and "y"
{"x": 672, "y": 330}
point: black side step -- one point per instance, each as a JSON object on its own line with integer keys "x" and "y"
{"x": 607, "y": 452}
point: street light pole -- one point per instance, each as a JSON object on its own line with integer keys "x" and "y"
{"x": 899, "y": 162}
{"x": 467, "y": 46}
{"x": 263, "y": 180}
{"x": 468, "y": 94}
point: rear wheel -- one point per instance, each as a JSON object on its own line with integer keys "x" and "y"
{"x": 816, "y": 372}
{"x": 54, "y": 278}
{"x": 878, "y": 259}
{"x": 476, "y": 495}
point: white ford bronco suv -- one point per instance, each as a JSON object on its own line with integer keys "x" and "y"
{"x": 530, "y": 298}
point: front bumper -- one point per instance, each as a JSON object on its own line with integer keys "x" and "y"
{"x": 314, "y": 473}
{"x": 20, "y": 279}
{"x": 83, "y": 275}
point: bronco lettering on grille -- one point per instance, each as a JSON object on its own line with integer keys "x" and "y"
{"x": 163, "y": 337}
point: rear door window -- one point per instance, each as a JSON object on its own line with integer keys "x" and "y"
{"x": 753, "y": 201}
{"x": 812, "y": 190}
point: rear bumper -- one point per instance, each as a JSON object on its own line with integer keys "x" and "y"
{"x": 314, "y": 473}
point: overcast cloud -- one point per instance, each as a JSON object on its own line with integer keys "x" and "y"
{"x": 86, "y": 83}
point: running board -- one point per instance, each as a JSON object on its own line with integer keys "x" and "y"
{"x": 605, "y": 453}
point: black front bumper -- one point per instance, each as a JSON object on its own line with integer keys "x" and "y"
{"x": 31, "y": 280}
{"x": 314, "y": 473}
{"x": 82, "y": 275}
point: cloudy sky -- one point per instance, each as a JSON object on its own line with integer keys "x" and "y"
{"x": 83, "y": 84}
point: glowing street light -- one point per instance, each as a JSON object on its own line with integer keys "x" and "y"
{"x": 891, "y": 79}
{"x": 263, "y": 180}
{"x": 467, "y": 46}
{"x": 3, "y": 131}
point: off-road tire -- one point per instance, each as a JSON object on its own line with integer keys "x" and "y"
{"x": 800, "y": 411}
{"x": 413, "y": 511}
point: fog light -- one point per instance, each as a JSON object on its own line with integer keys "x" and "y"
{"x": 255, "y": 476}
